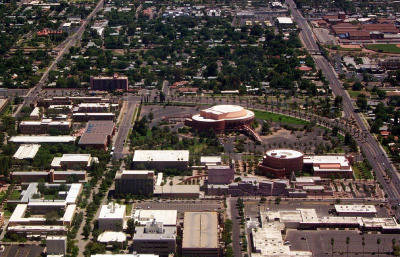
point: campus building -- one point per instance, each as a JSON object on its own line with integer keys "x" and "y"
{"x": 44, "y": 126}
{"x": 155, "y": 238}
{"x": 97, "y": 134}
{"x": 281, "y": 163}
{"x": 220, "y": 118}
{"x": 220, "y": 174}
{"x": 109, "y": 83}
{"x": 112, "y": 217}
{"x": 200, "y": 234}
{"x": 134, "y": 182}
{"x": 73, "y": 161}
{"x": 327, "y": 166}
{"x": 86, "y": 116}
{"x": 161, "y": 159}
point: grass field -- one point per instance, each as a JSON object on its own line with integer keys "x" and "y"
{"x": 354, "y": 94}
{"x": 279, "y": 118}
{"x": 385, "y": 48}
{"x": 361, "y": 171}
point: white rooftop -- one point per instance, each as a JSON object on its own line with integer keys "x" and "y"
{"x": 326, "y": 159}
{"x": 210, "y": 159}
{"x": 111, "y": 236}
{"x": 284, "y": 20}
{"x": 161, "y": 155}
{"x": 26, "y": 151}
{"x": 284, "y": 154}
{"x": 42, "y": 139}
{"x": 112, "y": 211}
{"x": 356, "y": 208}
{"x": 167, "y": 217}
{"x": 125, "y": 255}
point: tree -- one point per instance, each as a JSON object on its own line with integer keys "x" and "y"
{"x": 347, "y": 244}
{"x": 86, "y": 230}
{"x": 332, "y": 244}
{"x": 131, "y": 227}
{"x": 362, "y": 102}
{"x": 51, "y": 217}
{"x": 378, "y": 242}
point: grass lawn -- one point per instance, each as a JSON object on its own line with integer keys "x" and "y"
{"x": 128, "y": 209}
{"x": 361, "y": 171}
{"x": 385, "y": 48}
{"x": 354, "y": 94}
{"x": 15, "y": 195}
{"x": 279, "y": 118}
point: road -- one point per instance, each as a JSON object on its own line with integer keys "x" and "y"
{"x": 125, "y": 126}
{"x": 369, "y": 145}
{"x": 237, "y": 249}
{"x": 70, "y": 41}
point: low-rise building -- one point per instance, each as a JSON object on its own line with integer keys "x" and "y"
{"x": 73, "y": 161}
{"x": 56, "y": 245}
{"x": 161, "y": 159}
{"x": 167, "y": 217}
{"x": 42, "y": 139}
{"x": 112, "y": 217}
{"x": 355, "y": 210}
{"x": 26, "y": 151}
{"x": 44, "y": 126}
{"x": 327, "y": 166}
{"x": 97, "y": 134}
{"x": 220, "y": 174}
{"x": 200, "y": 234}
{"x": 155, "y": 238}
{"x": 93, "y": 107}
{"x": 177, "y": 191}
{"x": 84, "y": 116}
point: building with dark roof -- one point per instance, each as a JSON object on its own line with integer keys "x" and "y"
{"x": 109, "y": 83}
{"x": 97, "y": 134}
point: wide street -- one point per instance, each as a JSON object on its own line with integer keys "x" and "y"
{"x": 66, "y": 45}
{"x": 371, "y": 148}
{"x": 125, "y": 125}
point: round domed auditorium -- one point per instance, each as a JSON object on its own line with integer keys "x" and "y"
{"x": 220, "y": 118}
{"x": 280, "y": 163}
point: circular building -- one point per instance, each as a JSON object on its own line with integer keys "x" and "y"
{"x": 220, "y": 118}
{"x": 279, "y": 163}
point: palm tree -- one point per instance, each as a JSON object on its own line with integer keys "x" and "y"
{"x": 378, "y": 242}
{"x": 347, "y": 244}
{"x": 332, "y": 244}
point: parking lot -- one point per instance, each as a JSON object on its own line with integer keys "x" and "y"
{"x": 319, "y": 242}
{"x": 22, "y": 251}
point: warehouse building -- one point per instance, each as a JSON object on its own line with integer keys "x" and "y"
{"x": 134, "y": 182}
{"x": 97, "y": 134}
{"x": 161, "y": 159}
{"x": 200, "y": 234}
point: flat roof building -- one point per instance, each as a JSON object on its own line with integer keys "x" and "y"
{"x": 355, "y": 210}
{"x": 177, "y": 191}
{"x": 42, "y": 139}
{"x": 112, "y": 217}
{"x": 166, "y": 217}
{"x": 218, "y": 174}
{"x": 109, "y": 83}
{"x": 26, "y": 151}
{"x": 44, "y": 126}
{"x": 156, "y": 238}
{"x": 210, "y": 160}
{"x": 56, "y": 245}
{"x": 161, "y": 159}
{"x": 73, "y": 161}
{"x": 85, "y": 116}
{"x": 326, "y": 166}
{"x": 200, "y": 234}
{"x": 97, "y": 134}
{"x": 134, "y": 182}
